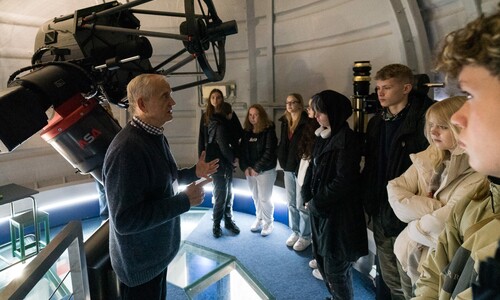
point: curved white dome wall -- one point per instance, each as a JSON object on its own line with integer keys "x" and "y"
{"x": 282, "y": 46}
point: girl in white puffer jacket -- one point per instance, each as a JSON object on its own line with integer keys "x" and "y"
{"x": 424, "y": 195}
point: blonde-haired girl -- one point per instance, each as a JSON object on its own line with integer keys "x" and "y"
{"x": 424, "y": 195}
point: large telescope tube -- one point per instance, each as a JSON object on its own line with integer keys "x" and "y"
{"x": 80, "y": 130}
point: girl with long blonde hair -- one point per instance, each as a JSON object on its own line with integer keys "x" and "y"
{"x": 425, "y": 194}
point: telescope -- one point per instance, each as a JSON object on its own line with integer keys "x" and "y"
{"x": 88, "y": 57}
{"x": 362, "y": 101}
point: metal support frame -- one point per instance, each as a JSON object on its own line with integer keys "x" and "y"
{"x": 414, "y": 42}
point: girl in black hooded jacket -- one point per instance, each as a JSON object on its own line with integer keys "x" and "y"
{"x": 333, "y": 195}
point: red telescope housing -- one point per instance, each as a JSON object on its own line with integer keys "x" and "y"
{"x": 81, "y": 131}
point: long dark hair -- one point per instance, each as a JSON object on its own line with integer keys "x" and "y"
{"x": 210, "y": 108}
{"x": 306, "y": 142}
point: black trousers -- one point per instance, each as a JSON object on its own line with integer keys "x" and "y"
{"x": 223, "y": 196}
{"x": 155, "y": 289}
{"x": 337, "y": 275}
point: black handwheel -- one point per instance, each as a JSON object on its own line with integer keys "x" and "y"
{"x": 207, "y": 37}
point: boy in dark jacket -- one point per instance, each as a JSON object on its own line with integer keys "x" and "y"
{"x": 391, "y": 136}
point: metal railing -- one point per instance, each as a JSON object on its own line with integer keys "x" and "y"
{"x": 70, "y": 239}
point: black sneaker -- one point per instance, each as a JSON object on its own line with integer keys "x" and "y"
{"x": 231, "y": 226}
{"x": 217, "y": 231}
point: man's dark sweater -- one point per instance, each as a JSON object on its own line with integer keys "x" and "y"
{"x": 139, "y": 174}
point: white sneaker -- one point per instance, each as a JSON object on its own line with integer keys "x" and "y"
{"x": 317, "y": 274}
{"x": 313, "y": 264}
{"x": 256, "y": 226}
{"x": 301, "y": 244}
{"x": 267, "y": 229}
{"x": 292, "y": 239}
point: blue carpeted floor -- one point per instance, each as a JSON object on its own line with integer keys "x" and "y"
{"x": 282, "y": 271}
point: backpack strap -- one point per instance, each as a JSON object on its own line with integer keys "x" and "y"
{"x": 472, "y": 229}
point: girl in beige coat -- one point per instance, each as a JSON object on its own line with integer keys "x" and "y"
{"x": 424, "y": 195}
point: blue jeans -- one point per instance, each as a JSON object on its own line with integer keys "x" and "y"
{"x": 298, "y": 215}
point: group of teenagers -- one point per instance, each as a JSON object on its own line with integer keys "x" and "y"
{"x": 427, "y": 186}
{"x": 415, "y": 188}
{"x": 320, "y": 156}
